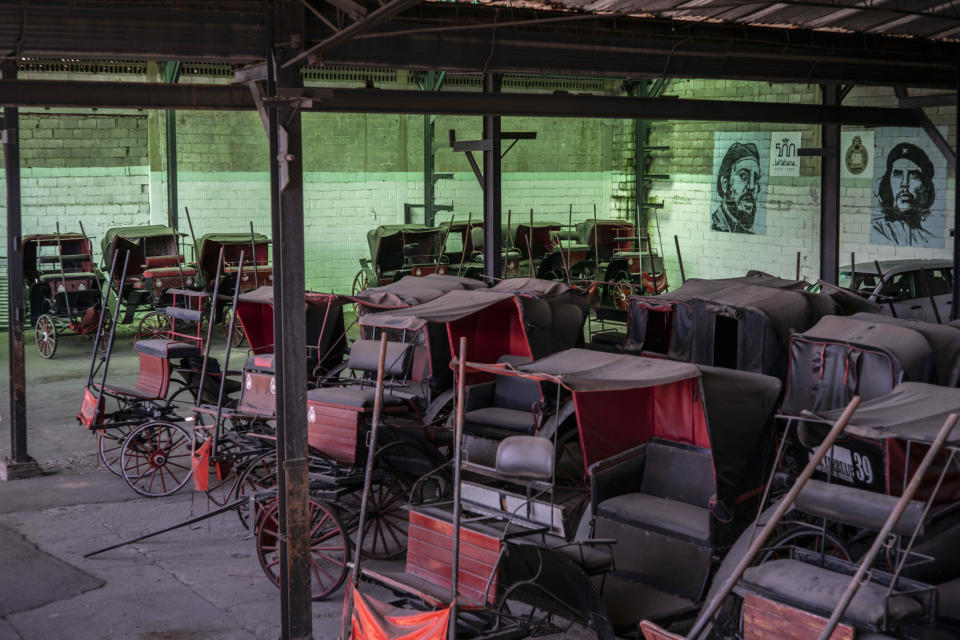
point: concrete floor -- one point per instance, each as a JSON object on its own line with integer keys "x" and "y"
{"x": 199, "y": 582}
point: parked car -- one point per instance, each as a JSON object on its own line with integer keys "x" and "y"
{"x": 906, "y": 287}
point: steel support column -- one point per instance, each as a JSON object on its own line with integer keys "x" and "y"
{"x": 20, "y": 464}
{"x": 955, "y": 304}
{"x": 289, "y": 333}
{"x": 492, "y": 239}
{"x": 830, "y": 191}
{"x": 171, "y": 74}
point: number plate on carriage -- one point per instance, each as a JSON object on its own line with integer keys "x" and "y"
{"x": 860, "y": 465}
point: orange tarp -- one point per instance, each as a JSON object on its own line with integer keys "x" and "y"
{"x": 374, "y": 620}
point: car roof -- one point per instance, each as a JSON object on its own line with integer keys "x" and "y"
{"x": 903, "y": 264}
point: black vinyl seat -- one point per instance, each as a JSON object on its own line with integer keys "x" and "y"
{"x": 667, "y": 520}
{"x": 161, "y": 348}
{"x": 365, "y": 357}
{"x": 507, "y": 406}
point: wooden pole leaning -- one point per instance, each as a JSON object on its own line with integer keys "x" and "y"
{"x": 767, "y": 530}
{"x": 878, "y": 543}
{"x": 457, "y": 453}
{"x": 365, "y": 495}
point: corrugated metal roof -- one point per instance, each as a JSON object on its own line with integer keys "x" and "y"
{"x": 930, "y": 19}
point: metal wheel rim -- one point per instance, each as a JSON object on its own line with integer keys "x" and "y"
{"x": 45, "y": 336}
{"x": 329, "y": 548}
{"x": 155, "y": 460}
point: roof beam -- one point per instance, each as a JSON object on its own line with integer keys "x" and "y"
{"x": 143, "y": 95}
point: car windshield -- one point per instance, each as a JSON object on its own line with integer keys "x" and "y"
{"x": 864, "y": 282}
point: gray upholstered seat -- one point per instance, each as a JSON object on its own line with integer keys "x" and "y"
{"x": 526, "y": 457}
{"x": 650, "y": 512}
{"x": 361, "y": 398}
{"x": 819, "y": 590}
{"x": 503, "y": 407}
{"x": 179, "y": 313}
{"x": 161, "y": 348}
{"x": 500, "y": 422}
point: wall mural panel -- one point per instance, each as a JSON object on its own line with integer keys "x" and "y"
{"x": 909, "y": 187}
{"x": 739, "y": 200}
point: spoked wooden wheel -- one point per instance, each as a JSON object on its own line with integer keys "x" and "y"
{"x": 155, "y": 460}
{"x": 110, "y": 447}
{"x": 329, "y": 547}
{"x": 806, "y": 538}
{"x": 259, "y": 475}
{"x": 153, "y": 325}
{"x": 360, "y": 282}
{"x": 104, "y": 334}
{"x": 46, "y": 336}
{"x": 621, "y": 290}
{"x": 238, "y": 336}
{"x": 385, "y": 526}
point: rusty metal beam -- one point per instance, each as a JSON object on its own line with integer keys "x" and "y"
{"x": 19, "y": 464}
{"x": 284, "y": 130}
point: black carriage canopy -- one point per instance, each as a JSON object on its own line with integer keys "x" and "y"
{"x": 413, "y": 290}
{"x": 391, "y": 237}
{"x": 645, "y": 333}
{"x": 552, "y": 314}
{"x": 585, "y": 228}
{"x": 913, "y": 411}
{"x": 868, "y": 355}
{"x": 133, "y": 235}
{"x": 737, "y": 406}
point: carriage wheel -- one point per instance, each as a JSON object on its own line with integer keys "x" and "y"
{"x": 155, "y": 460}
{"x": 153, "y": 325}
{"x": 360, "y": 282}
{"x": 110, "y": 446}
{"x": 621, "y": 290}
{"x": 385, "y": 526}
{"x": 238, "y": 336}
{"x": 329, "y": 547}
{"x": 184, "y": 396}
{"x": 46, "y": 336}
{"x": 257, "y": 476}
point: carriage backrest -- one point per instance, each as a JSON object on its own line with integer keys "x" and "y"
{"x": 679, "y": 472}
{"x": 527, "y": 457}
{"x": 514, "y": 392}
{"x": 365, "y": 356}
{"x": 857, "y": 507}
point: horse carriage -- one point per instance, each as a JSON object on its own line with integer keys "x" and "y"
{"x": 138, "y": 428}
{"x": 526, "y": 547}
{"x": 463, "y": 250}
{"x": 829, "y": 560}
{"x": 156, "y": 265}
{"x": 742, "y": 323}
{"x": 63, "y": 287}
{"x": 400, "y": 250}
{"x": 610, "y": 253}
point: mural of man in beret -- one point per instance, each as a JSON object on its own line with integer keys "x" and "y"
{"x": 738, "y": 189}
{"x": 905, "y": 195}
